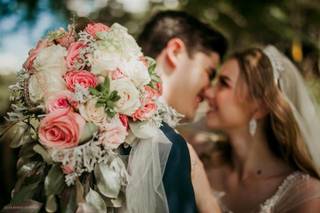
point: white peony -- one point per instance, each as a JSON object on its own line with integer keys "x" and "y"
{"x": 112, "y": 133}
{"x": 144, "y": 129}
{"x": 129, "y": 96}
{"x": 51, "y": 60}
{"x": 137, "y": 71}
{"x": 104, "y": 61}
{"x": 90, "y": 112}
{"x": 41, "y": 85}
{"x": 117, "y": 39}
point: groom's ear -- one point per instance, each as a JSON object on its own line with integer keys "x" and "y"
{"x": 174, "y": 48}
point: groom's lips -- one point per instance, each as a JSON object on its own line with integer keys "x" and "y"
{"x": 199, "y": 99}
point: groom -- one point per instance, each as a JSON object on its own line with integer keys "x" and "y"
{"x": 187, "y": 52}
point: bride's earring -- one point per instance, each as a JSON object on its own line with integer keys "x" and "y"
{"x": 252, "y": 126}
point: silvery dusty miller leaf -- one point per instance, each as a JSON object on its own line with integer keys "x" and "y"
{"x": 94, "y": 199}
{"x": 108, "y": 181}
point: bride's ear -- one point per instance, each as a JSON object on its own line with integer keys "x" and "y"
{"x": 174, "y": 47}
{"x": 261, "y": 110}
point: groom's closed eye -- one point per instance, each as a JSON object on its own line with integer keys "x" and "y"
{"x": 212, "y": 74}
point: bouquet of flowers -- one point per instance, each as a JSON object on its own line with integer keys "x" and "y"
{"x": 79, "y": 96}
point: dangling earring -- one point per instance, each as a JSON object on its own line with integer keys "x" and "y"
{"x": 252, "y": 126}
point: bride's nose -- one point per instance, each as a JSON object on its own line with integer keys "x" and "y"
{"x": 209, "y": 92}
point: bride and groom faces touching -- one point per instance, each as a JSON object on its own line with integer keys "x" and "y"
{"x": 187, "y": 52}
{"x": 268, "y": 163}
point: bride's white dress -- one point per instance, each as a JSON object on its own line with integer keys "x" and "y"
{"x": 294, "y": 190}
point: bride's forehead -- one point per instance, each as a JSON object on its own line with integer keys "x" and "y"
{"x": 230, "y": 68}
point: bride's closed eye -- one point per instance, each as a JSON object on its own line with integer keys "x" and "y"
{"x": 224, "y": 81}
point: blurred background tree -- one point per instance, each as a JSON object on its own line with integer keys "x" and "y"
{"x": 292, "y": 25}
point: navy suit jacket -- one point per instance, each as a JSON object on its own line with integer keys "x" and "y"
{"x": 177, "y": 175}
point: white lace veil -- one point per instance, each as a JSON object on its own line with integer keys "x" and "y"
{"x": 302, "y": 104}
{"x": 147, "y": 161}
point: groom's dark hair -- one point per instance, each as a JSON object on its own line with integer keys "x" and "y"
{"x": 196, "y": 35}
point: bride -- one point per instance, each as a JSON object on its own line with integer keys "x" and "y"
{"x": 260, "y": 101}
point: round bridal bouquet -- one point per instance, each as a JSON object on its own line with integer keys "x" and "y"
{"x": 79, "y": 99}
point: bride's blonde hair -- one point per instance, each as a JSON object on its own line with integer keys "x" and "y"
{"x": 282, "y": 130}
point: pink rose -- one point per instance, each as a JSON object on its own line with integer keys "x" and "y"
{"x": 67, "y": 39}
{"x": 67, "y": 169}
{"x": 124, "y": 120}
{"x": 73, "y": 54}
{"x": 113, "y": 134}
{"x": 61, "y": 100}
{"x": 33, "y": 53}
{"x": 61, "y": 129}
{"x": 93, "y": 28}
{"x": 144, "y": 112}
{"x": 151, "y": 93}
{"x": 117, "y": 74}
{"x": 159, "y": 88}
{"x": 84, "y": 78}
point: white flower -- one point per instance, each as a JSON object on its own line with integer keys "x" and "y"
{"x": 137, "y": 71}
{"x": 41, "y": 85}
{"x": 90, "y": 112}
{"x": 104, "y": 61}
{"x": 129, "y": 96}
{"x": 117, "y": 39}
{"x": 50, "y": 66}
{"x": 144, "y": 129}
{"x": 128, "y": 43}
{"x": 112, "y": 133}
{"x": 51, "y": 60}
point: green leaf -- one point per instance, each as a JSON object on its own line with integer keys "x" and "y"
{"x": 16, "y": 134}
{"x": 94, "y": 199}
{"x": 51, "y": 204}
{"x": 68, "y": 201}
{"x": 151, "y": 64}
{"x": 88, "y": 132}
{"x": 99, "y": 88}
{"x": 79, "y": 192}
{"x": 110, "y": 104}
{"x": 94, "y": 92}
{"x": 110, "y": 113}
{"x": 26, "y": 192}
{"x": 43, "y": 152}
{"x": 27, "y": 168}
{"x": 106, "y": 86}
{"x": 5, "y": 128}
{"x": 54, "y": 182}
{"x": 99, "y": 104}
{"x": 26, "y": 151}
{"x": 108, "y": 181}
{"x": 113, "y": 94}
{"x": 28, "y": 206}
{"x": 117, "y": 98}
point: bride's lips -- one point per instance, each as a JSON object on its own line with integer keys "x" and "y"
{"x": 212, "y": 109}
